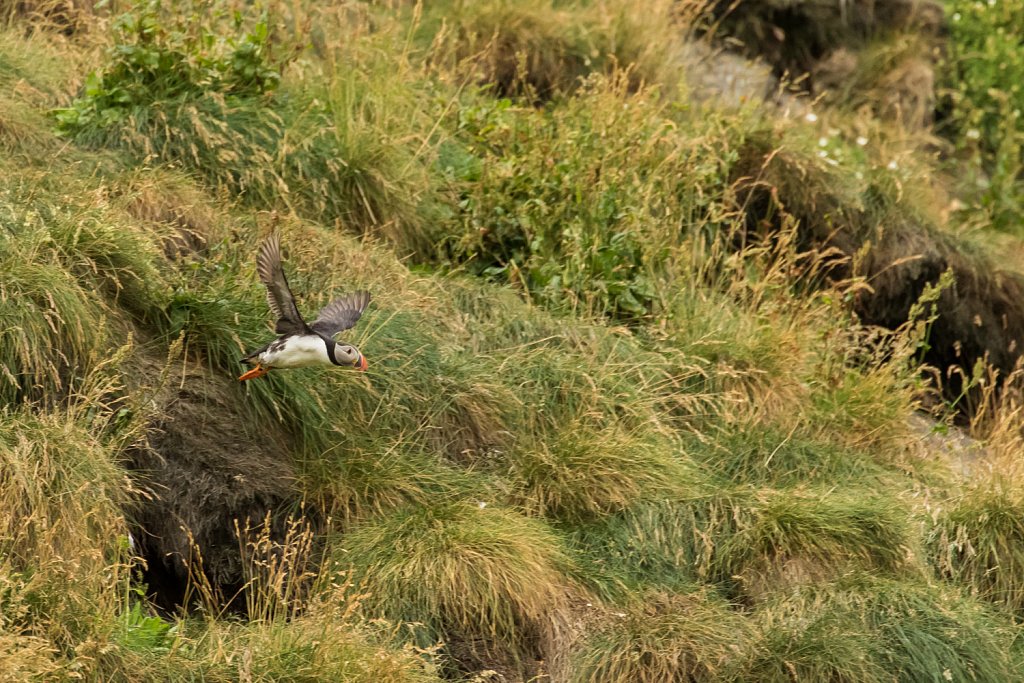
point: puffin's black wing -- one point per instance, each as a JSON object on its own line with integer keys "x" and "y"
{"x": 279, "y": 296}
{"x": 341, "y": 314}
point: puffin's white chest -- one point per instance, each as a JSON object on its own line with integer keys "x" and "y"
{"x": 296, "y": 352}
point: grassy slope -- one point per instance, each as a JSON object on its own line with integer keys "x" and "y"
{"x": 727, "y": 489}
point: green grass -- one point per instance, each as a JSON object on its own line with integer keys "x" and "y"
{"x": 661, "y": 544}
{"x": 549, "y": 204}
{"x": 869, "y": 629}
{"x": 480, "y": 578}
{"x": 315, "y": 147}
{"x": 764, "y": 455}
{"x": 587, "y": 472}
{"x": 691, "y": 637}
{"x": 976, "y": 544}
{"x": 621, "y": 421}
{"x": 49, "y": 335}
{"x": 792, "y": 538}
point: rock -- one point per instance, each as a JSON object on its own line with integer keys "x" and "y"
{"x": 728, "y": 78}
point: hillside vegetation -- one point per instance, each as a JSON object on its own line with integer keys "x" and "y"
{"x": 665, "y": 383}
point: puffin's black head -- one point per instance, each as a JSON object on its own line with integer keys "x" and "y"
{"x": 346, "y": 354}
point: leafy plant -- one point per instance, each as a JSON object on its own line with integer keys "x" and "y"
{"x": 162, "y": 52}
{"x": 984, "y": 72}
{"x": 141, "y": 631}
{"x": 585, "y": 205}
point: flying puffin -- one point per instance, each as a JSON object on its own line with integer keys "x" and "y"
{"x": 300, "y": 345}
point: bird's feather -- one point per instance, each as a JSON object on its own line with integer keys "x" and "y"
{"x": 341, "y": 314}
{"x": 279, "y": 296}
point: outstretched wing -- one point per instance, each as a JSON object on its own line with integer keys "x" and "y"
{"x": 279, "y": 296}
{"x": 341, "y": 314}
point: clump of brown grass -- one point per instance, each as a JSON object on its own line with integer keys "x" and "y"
{"x": 666, "y": 637}
{"x": 63, "y": 534}
{"x": 173, "y": 206}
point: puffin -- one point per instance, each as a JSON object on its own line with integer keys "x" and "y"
{"x": 299, "y": 344}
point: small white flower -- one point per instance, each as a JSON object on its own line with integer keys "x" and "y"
{"x": 973, "y": 134}
{"x": 822, "y": 142}
{"x": 480, "y": 504}
{"x": 956, "y": 16}
{"x": 811, "y": 117}
{"x": 823, "y": 154}
{"x": 861, "y": 140}
{"x": 892, "y": 165}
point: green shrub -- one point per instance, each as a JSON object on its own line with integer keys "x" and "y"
{"x": 322, "y": 145}
{"x": 983, "y": 75}
{"x": 587, "y": 205}
{"x": 163, "y": 53}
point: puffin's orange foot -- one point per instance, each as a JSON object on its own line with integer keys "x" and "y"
{"x": 257, "y": 371}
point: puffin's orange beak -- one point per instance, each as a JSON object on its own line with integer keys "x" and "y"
{"x": 362, "y": 363}
{"x": 257, "y": 371}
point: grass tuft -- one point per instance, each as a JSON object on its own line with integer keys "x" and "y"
{"x": 50, "y": 333}
{"x": 62, "y": 530}
{"x": 681, "y": 637}
{"x": 660, "y": 544}
{"x": 870, "y": 629}
{"x": 978, "y": 543}
{"x": 541, "y": 49}
{"x": 791, "y": 539}
{"x": 479, "y": 576}
{"x": 586, "y": 472}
